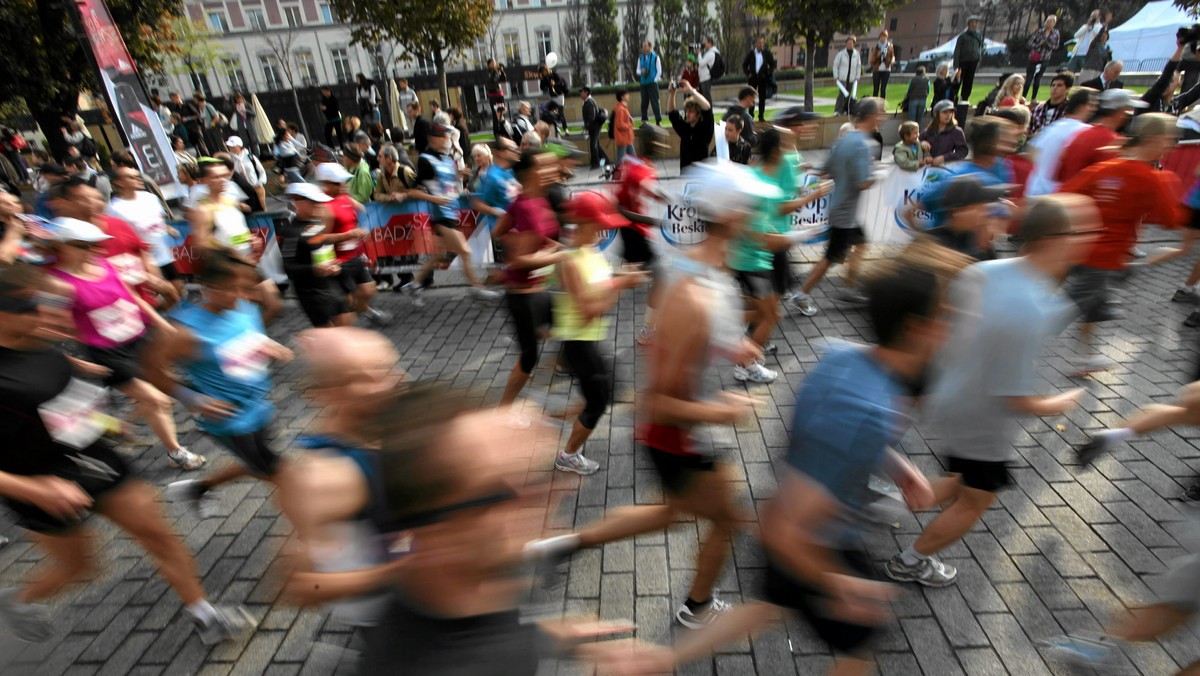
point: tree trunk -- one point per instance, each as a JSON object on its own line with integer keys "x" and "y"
{"x": 810, "y": 55}
{"x": 49, "y": 118}
{"x": 299, "y": 114}
{"x": 439, "y": 60}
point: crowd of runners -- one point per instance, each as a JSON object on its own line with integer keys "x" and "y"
{"x": 422, "y": 521}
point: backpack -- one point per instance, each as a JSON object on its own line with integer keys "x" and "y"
{"x": 611, "y": 132}
{"x": 717, "y": 69}
{"x": 87, "y": 147}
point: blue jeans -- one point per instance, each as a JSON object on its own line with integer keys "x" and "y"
{"x": 650, "y": 96}
{"x": 622, "y": 150}
{"x": 916, "y": 111}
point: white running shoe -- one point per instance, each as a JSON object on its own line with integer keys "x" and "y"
{"x": 202, "y": 500}
{"x": 228, "y": 623}
{"x": 185, "y": 460}
{"x": 754, "y": 373}
{"x": 576, "y": 463}
{"x": 484, "y": 293}
{"x": 704, "y": 615}
{"x": 29, "y": 622}
{"x": 414, "y": 290}
{"x": 803, "y": 303}
{"x": 1091, "y": 363}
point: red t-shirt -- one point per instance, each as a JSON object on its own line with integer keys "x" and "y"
{"x": 1128, "y": 193}
{"x": 532, "y": 215}
{"x": 1085, "y": 150}
{"x": 124, "y": 252}
{"x": 345, "y": 219}
{"x": 637, "y": 177}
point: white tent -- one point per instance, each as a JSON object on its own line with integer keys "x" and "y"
{"x": 1150, "y": 34}
{"x": 946, "y": 51}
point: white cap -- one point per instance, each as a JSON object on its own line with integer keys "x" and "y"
{"x": 719, "y": 190}
{"x": 234, "y": 141}
{"x": 75, "y": 230}
{"x": 307, "y": 191}
{"x": 331, "y": 172}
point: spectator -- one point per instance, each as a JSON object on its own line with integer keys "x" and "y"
{"x": 368, "y": 98}
{"x": 459, "y": 122}
{"x": 164, "y": 115}
{"x": 191, "y": 114}
{"x": 361, "y": 186}
{"x": 551, "y": 113}
{"x": 297, "y": 139}
{"x": 481, "y": 161}
{"x": 1109, "y": 78}
{"x": 496, "y": 77}
{"x": 1099, "y": 57}
{"x": 79, "y": 168}
{"x": 968, "y": 51}
{"x": 502, "y": 127}
{"x": 554, "y": 87}
{"x": 695, "y": 128}
{"x": 909, "y": 153}
{"x": 1010, "y": 92}
{"x": 1042, "y": 45}
{"x": 332, "y": 111}
{"x": 708, "y": 58}
{"x": 943, "y": 84}
{"x": 594, "y": 118}
{"x": 759, "y": 67}
{"x": 744, "y": 108}
{"x": 245, "y": 192}
{"x": 124, "y": 159}
{"x": 542, "y": 129}
{"x": 914, "y": 99}
{"x": 881, "y": 60}
{"x": 288, "y": 158}
{"x": 241, "y": 122}
{"x": 1161, "y": 97}
{"x": 1048, "y": 111}
{"x": 351, "y": 125}
{"x": 524, "y": 122}
{"x": 531, "y": 141}
{"x": 691, "y": 72}
{"x": 1020, "y": 165}
{"x": 246, "y": 165}
{"x": 622, "y": 124}
{"x": 405, "y": 94}
{"x": 847, "y": 71}
{"x": 739, "y": 149}
{"x": 1083, "y": 40}
{"x": 362, "y": 143}
{"x": 944, "y": 140}
{"x": 182, "y": 156}
{"x": 1046, "y": 148}
{"x": 420, "y": 127}
{"x": 649, "y": 72}
{"x": 1102, "y": 139}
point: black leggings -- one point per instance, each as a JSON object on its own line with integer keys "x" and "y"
{"x": 254, "y": 452}
{"x": 530, "y": 313}
{"x": 584, "y": 360}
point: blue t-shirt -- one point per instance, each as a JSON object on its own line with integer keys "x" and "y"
{"x": 997, "y": 174}
{"x": 230, "y": 364}
{"x": 849, "y": 166}
{"x": 847, "y": 413}
{"x": 498, "y": 188}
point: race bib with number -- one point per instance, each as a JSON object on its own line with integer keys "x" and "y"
{"x": 129, "y": 268}
{"x": 245, "y": 357}
{"x": 119, "y": 322}
{"x": 322, "y": 255}
{"x": 74, "y": 418}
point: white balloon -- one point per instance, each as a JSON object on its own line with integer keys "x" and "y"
{"x": 551, "y": 60}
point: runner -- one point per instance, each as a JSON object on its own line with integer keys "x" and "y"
{"x": 111, "y": 322}
{"x": 347, "y": 237}
{"x": 438, "y": 175}
{"x": 701, "y": 321}
{"x": 145, "y": 212}
{"x": 1005, "y": 311}
{"x": 638, "y": 188}
{"x": 495, "y": 193}
{"x": 58, "y": 468}
{"x": 223, "y": 353}
{"x": 310, "y": 263}
{"x": 587, "y": 291}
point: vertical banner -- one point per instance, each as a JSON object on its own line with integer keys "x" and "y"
{"x": 886, "y": 208}
{"x": 138, "y": 122}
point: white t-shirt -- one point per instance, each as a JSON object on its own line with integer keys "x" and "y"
{"x": 1049, "y": 144}
{"x": 145, "y": 213}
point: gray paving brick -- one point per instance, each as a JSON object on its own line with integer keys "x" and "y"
{"x": 936, "y": 657}
{"x": 955, "y": 616}
{"x": 981, "y": 662}
{"x": 1049, "y": 585}
{"x": 1012, "y": 645}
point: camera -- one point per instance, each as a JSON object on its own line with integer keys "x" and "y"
{"x": 1189, "y": 35}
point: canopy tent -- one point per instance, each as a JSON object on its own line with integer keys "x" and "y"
{"x": 946, "y": 51}
{"x": 1149, "y": 34}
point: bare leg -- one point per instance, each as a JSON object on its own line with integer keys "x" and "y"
{"x": 579, "y": 437}
{"x": 1185, "y": 247}
{"x": 768, "y": 317}
{"x": 516, "y": 382}
{"x": 229, "y": 472}
{"x": 363, "y": 296}
{"x": 814, "y": 277}
{"x": 426, "y": 269}
{"x": 1150, "y": 622}
{"x": 134, "y": 509}
{"x": 68, "y": 560}
{"x": 857, "y": 254}
{"x": 155, "y": 409}
{"x": 454, "y": 242}
{"x": 955, "y": 521}
{"x": 710, "y": 497}
{"x": 626, "y": 522}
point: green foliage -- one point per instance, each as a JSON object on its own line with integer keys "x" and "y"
{"x": 603, "y": 38}
{"x": 573, "y": 29}
{"x": 634, "y": 30}
{"x": 192, "y": 48}
{"x": 671, "y": 47}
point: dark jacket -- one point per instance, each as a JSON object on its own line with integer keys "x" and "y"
{"x": 1153, "y": 95}
{"x": 969, "y": 48}
{"x": 420, "y": 127}
{"x": 1096, "y": 84}
{"x": 333, "y": 109}
{"x": 948, "y": 143}
{"x": 764, "y": 74}
{"x": 693, "y": 141}
{"x": 494, "y": 80}
{"x": 918, "y": 90}
{"x": 592, "y": 120}
{"x": 747, "y": 123}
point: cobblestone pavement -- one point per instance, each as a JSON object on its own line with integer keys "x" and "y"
{"x": 1058, "y": 552}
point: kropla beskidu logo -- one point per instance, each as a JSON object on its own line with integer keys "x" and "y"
{"x": 813, "y": 213}
{"x": 681, "y": 223}
{"x": 911, "y": 199}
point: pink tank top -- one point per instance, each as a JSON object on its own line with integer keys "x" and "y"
{"x": 106, "y": 315}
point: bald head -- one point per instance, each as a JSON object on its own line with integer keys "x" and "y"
{"x": 347, "y": 363}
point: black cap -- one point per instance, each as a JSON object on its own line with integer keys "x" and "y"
{"x": 794, "y": 116}
{"x": 968, "y": 190}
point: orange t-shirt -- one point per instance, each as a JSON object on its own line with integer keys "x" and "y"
{"x": 1088, "y": 147}
{"x": 1128, "y": 193}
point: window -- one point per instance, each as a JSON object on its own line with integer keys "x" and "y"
{"x": 503, "y": 4}
{"x": 293, "y": 16}
{"x": 255, "y": 17}
{"x": 893, "y": 24}
{"x": 425, "y": 65}
{"x": 341, "y": 64}
{"x": 326, "y": 14}
{"x": 378, "y": 63}
{"x": 271, "y": 72}
{"x": 543, "y": 43}
{"x": 218, "y": 22}
{"x": 954, "y": 21}
{"x": 237, "y": 78}
{"x": 512, "y": 48}
{"x": 306, "y": 67}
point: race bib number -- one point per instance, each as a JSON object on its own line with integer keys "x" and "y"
{"x": 74, "y": 418}
{"x": 240, "y": 241}
{"x": 323, "y": 255}
{"x": 119, "y": 322}
{"x": 129, "y": 268}
{"x": 245, "y": 357}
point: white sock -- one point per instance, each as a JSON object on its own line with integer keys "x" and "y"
{"x": 560, "y": 544}
{"x": 1188, "y": 287}
{"x": 203, "y": 611}
{"x": 912, "y": 557}
{"x": 1120, "y": 434}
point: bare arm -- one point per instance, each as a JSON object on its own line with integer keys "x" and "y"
{"x": 1045, "y": 406}
{"x": 484, "y": 208}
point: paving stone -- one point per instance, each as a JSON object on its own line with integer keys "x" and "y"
{"x": 1012, "y": 645}
{"x": 936, "y": 656}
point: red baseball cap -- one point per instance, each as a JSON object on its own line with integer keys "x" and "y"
{"x": 596, "y": 207}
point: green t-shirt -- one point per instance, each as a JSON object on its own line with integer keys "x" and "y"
{"x": 748, "y": 255}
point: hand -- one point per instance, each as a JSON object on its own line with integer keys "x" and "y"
{"x": 632, "y": 279}
{"x": 327, "y": 269}
{"x": 748, "y": 351}
{"x": 918, "y": 493}
{"x": 57, "y": 497}
{"x": 358, "y": 233}
{"x": 215, "y": 409}
{"x": 172, "y": 231}
{"x": 628, "y": 658}
{"x": 925, "y": 145}
{"x": 824, "y": 189}
{"x": 281, "y": 353}
{"x": 398, "y": 197}
{"x": 1061, "y": 403}
{"x": 857, "y": 600}
{"x": 443, "y": 200}
{"x": 735, "y": 408}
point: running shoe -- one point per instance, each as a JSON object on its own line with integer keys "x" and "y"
{"x": 1137, "y": 252}
{"x": 414, "y": 290}
{"x": 1185, "y": 295}
{"x": 850, "y": 294}
{"x": 576, "y": 463}
{"x": 1192, "y": 493}
{"x": 228, "y": 623}
{"x": 754, "y": 373}
{"x": 29, "y": 622}
{"x": 202, "y": 500}
{"x": 484, "y": 293}
{"x": 704, "y": 615}
{"x": 770, "y": 348}
{"x": 1091, "y": 363}
{"x": 1094, "y": 448}
{"x": 928, "y": 571}
{"x": 1192, "y": 321}
{"x": 384, "y": 285}
{"x": 803, "y": 303}
{"x": 645, "y": 336}
{"x": 561, "y": 369}
{"x": 185, "y": 460}
{"x": 378, "y": 317}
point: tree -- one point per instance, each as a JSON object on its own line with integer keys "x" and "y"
{"x": 634, "y": 29}
{"x": 440, "y": 31}
{"x": 671, "y": 47}
{"x": 699, "y": 24}
{"x": 815, "y": 21}
{"x": 493, "y": 36}
{"x": 731, "y": 31}
{"x": 573, "y": 27}
{"x": 603, "y": 39}
{"x": 193, "y": 51}
{"x": 280, "y": 43}
{"x": 43, "y": 60}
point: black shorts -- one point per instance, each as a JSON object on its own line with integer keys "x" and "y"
{"x": 170, "y": 272}
{"x": 1091, "y": 290}
{"x": 353, "y": 275}
{"x": 254, "y": 452}
{"x": 448, "y": 223}
{"x": 782, "y": 589}
{"x": 321, "y": 304}
{"x": 1194, "y": 221}
{"x": 982, "y": 475}
{"x": 636, "y": 247}
{"x": 124, "y": 362}
{"x": 840, "y": 242}
{"x": 678, "y": 470}
{"x": 97, "y": 470}
{"x": 781, "y": 272}
{"x": 755, "y": 284}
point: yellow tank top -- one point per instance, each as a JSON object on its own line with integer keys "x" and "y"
{"x": 594, "y": 271}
